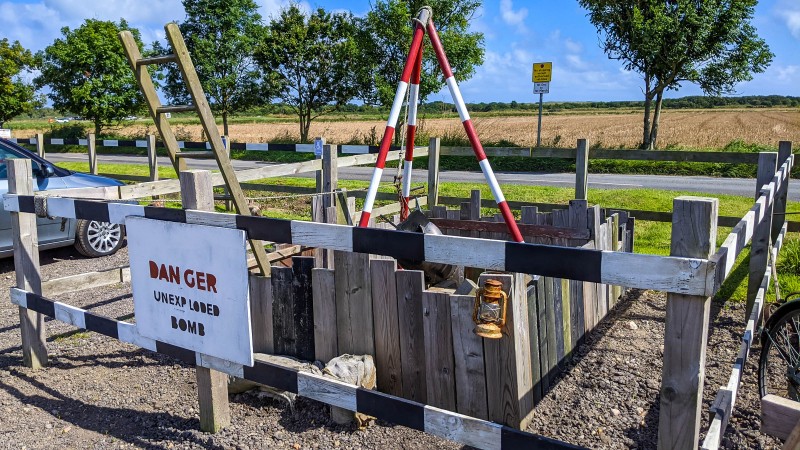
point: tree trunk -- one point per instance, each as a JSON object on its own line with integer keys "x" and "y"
{"x": 656, "y": 118}
{"x": 305, "y": 124}
{"x": 646, "y": 132}
{"x": 648, "y": 100}
{"x": 97, "y": 128}
{"x": 225, "y": 123}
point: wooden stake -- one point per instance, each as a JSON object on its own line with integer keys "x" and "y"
{"x": 759, "y": 248}
{"x": 92, "y": 150}
{"x": 778, "y": 219}
{"x": 152, "y": 160}
{"x": 694, "y": 235}
{"x": 40, "y": 144}
{"x": 434, "y": 150}
{"x": 26, "y": 262}
{"x": 582, "y": 170}
{"x": 212, "y": 386}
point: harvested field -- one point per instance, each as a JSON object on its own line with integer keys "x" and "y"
{"x": 691, "y": 129}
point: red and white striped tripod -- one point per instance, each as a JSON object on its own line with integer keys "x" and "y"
{"x": 411, "y": 73}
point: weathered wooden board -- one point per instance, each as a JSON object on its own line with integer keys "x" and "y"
{"x": 533, "y": 324}
{"x": 261, "y": 314}
{"x": 499, "y": 227}
{"x": 544, "y": 339}
{"x": 779, "y": 416}
{"x": 508, "y": 359}
{"x": 439, "y": 363}
{"x": 558, "y": 316}
{"x": 353, "y": 304}
{"x": 325, "y": 334}
{"x": 470, "y": 374}
{"x": 82, "y": 281}
{"x": 284, "y": 333}
{"x": 386, "y": 323}
{"x": 410, "y": 284}
{"x": 566, "y": 318}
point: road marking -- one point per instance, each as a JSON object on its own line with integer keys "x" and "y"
{"x": 533, "y": 180}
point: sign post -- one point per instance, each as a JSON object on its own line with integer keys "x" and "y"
{"x": 542, "y": 75}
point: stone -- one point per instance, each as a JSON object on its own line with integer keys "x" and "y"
{"x": 632, "y": 325}
{"x": 352, "y": 369}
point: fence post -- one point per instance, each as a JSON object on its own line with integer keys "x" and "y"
{"x": 759, "y": 248}
{"x": 26, "y": 262}
{"x": 582, "y": 170}
{"x": 434, "y": 150}
{"x": 152, "y": 157}
{"x": 90, "y": 142}
{"x": 40, "y": 144}
{"x": 330, "y": 175}
{"x": 197, "y": 192}
{"x": 779, "y": 212}
{"x": 694, "y": 235}
{"x": 319, "y": 142}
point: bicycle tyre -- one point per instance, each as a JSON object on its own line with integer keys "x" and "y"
{"x": 779, "y": 360}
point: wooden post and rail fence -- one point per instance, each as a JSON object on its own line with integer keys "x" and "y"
{"x": 691, "y": 275}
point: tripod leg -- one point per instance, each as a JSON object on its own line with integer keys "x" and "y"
{"x": 411, "y": 133}
{"x": 386, "y": 142}
{"x": 477, "y": 148}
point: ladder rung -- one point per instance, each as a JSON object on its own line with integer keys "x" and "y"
{"x": 156, "y": 60}
{"x": 195, "y": 154}
{"x": 175, "y": 109}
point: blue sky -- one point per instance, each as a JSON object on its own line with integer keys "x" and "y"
{"x": 517, "y": 33}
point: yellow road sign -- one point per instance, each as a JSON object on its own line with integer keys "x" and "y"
{"x": 542, "y": 72}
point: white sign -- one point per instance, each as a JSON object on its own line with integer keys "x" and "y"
{"x": 541, "y": 88}
{"x": 5, "y": 133}
{"x": 190, "y": 287}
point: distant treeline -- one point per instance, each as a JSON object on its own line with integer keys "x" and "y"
{"x": 439, "y": 107}
{"x": 691, "y": 102}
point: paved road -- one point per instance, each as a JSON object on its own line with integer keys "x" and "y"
{"x": 711, "y": 185}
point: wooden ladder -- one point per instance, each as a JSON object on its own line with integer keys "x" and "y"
{"x": 159, "y": 112}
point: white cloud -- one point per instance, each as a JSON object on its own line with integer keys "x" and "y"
{"x": 787, "y": 73}
{"x": 36, "y": 25}
{"x": 789, "y": 12}
{"x": 573, "y": 46}
{"x": 512, "y": 17}
{"x": 792, "y": 19}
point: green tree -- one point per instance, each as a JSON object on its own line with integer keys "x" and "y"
{"x": 386, "y": 37}
{"x": 221, "y": 37}
{"x": 89, "y": 75}
{"x": 312, "y": 60}
{"x": 16, "y": 95}
{"x": 707, "y": 42}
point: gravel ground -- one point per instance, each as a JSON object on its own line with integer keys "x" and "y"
{"x": 100, "y": 393}
{"x": 610, "y": 396}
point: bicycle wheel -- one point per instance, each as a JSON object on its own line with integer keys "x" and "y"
{"x": 779, "y": 363}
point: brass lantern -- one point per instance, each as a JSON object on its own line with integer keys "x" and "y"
{"x": 489, "y": 313}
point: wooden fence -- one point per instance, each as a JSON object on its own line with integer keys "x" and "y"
{"x": 765, "y": 225}
{"x": 691, "y": 275}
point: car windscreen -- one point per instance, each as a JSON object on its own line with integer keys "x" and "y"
{"x": 10, "y": 150}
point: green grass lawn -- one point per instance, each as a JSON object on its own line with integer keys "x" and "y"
{"x": 650, "y": 237}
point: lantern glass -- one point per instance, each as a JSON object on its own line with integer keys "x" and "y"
{"x": 489, "y": 312}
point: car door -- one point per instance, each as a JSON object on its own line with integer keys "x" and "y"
{"x": 50, "y": 229}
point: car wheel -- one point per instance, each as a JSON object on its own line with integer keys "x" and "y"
{"x": 95, "y": 238}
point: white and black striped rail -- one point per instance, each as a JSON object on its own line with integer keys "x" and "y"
{"x": 742, "y": 233}
{"x": 438, "y": 422}
{"x": 247, "y": 146}
{"x": 691, "y": 276}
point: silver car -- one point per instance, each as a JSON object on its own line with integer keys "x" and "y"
{"x": 91, "y": 238}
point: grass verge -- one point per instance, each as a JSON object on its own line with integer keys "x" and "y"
{"x": 650, "y": 237}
